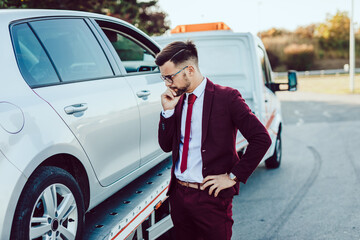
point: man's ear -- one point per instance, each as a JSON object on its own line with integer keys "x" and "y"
{"x": 191, "y": 70}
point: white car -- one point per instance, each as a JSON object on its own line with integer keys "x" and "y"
{"x": 79, "y": 110}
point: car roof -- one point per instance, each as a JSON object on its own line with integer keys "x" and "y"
{"x": 16, "y": 14}
{"x": 8, "y": 16}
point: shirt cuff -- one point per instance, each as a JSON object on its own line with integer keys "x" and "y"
{"x": 167, "y": 113}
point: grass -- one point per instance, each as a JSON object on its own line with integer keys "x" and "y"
{"x": 330, "y": 84}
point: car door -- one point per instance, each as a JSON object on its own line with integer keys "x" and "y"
{"x": 137, "y": 56}
{"x": 74, "y": 72}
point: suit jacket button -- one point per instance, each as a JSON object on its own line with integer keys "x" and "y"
{"x": 203, "y": 150}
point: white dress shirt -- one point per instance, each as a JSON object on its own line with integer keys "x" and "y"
{"x": 193, "y": 172}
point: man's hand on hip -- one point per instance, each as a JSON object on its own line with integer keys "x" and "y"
{"x": 217, "y": 183}
{"x": 169, "y": 99}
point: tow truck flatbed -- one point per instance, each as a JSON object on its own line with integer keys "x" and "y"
{"x": 122, "y": 214}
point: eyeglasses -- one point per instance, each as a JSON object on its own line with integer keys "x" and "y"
{"x": 168, "y": 78}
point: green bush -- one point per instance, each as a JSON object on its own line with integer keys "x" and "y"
{"x": 299, "y": 56}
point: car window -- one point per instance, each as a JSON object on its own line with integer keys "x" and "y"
{"x": 268, "y": 68}
{"x": 34, "y": 64}
{"x": 134, "y": 57}
{"x": 261, "y": 56}
{"x": 228, "y": 56}
{"x": 73, "y": 49}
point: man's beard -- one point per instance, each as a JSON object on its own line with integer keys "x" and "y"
{"x": 181, "y": 91}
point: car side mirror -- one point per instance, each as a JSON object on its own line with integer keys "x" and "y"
{"x": 292, "y": 80}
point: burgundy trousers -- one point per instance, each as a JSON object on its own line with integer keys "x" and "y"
{"x": 197, "y": 215}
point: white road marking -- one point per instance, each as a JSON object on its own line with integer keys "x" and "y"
{"x": 297, "y": 112}
{"x": 326, "y": 114}
{"x": 300, "y": 122}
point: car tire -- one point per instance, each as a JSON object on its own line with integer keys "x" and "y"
{"x": 275, "y": 160}
{"x": 51, "y": 206}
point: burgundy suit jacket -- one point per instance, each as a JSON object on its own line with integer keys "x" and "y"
{"x": 224, "y": 112}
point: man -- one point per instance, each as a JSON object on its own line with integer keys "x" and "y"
{"x": 199, "y": 123}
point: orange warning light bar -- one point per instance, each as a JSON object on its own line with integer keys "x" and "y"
{"x": 200, "y": 27}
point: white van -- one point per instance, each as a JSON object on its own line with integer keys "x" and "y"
{"x": 239, "y": 60}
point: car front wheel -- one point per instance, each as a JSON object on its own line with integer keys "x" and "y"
{"x": 51, "y": 206}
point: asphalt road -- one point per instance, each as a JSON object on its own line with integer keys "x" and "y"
{"x": 315, "y": 194}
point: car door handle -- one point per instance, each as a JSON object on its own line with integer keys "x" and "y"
{"x": 143, "y": 93}
{"x": 76, "y": 108}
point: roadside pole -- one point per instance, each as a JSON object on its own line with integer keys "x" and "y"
{"x": 352, "y": 48}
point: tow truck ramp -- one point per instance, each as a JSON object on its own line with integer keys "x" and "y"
{"x": 138, "y": 211}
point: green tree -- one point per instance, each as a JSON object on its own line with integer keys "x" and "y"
{"x": 334, "y": 33}
{"x": 145, "y": 15}
{"x": 81, "y": 5}
{"x": 306, "y": 32}
{"x": 273, "y": 32}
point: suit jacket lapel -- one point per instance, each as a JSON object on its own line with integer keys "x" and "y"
{"x": 208, "y": 98}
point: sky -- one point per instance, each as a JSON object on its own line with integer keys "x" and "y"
{"x": 256, "y": 15}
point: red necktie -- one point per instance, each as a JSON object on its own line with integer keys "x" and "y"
{"x": 191, "y": 100}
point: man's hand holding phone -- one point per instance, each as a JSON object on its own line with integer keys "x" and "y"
{"x": 169, "y": 99}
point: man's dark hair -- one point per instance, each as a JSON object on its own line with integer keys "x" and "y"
{"x": 177, "y": 52}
